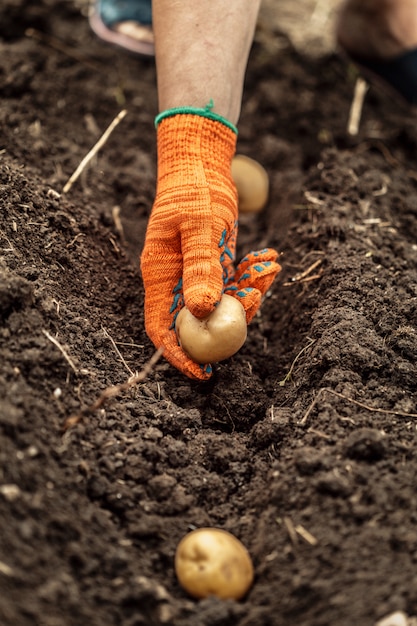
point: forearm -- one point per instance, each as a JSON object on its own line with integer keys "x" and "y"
{"x": 202, "y": 50}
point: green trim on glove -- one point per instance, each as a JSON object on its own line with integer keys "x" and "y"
{"x": 206, "y": 112}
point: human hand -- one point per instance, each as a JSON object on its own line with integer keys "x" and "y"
{"x": 191, "y": 237}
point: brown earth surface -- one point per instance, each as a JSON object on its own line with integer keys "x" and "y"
{"x": 302, "y": 445}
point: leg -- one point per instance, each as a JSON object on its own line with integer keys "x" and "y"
{"x": 380, "y": 29}
{"x": 380, "y": 36}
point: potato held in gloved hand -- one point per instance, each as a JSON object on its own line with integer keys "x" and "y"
{"x": 191, "y": 238}
{"x": 222, "y": 333}
{"x": 215, "y": 337}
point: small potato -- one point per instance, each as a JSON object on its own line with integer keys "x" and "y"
{"x": 215, "y": 337}
{"x": 213, "y": 562}
{"x": 252, "y": 184}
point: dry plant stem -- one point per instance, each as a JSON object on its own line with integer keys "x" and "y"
{"x": 57, "y": 44}
{"x": 118, "y": 224}
{"x": 116, "y": 349}
{"x": 290, "y": 371}
{"x": 308, "y": 279}
{"x": 310, "y": 197}
{"x": 304, "y": 277}
{"x": 324, "y": 390}
{"x": 5, "y": 569}
{"x": 355, "y": 114}
{"x": 291, "y": 530}
{"x": 100, "y": 143}
{"x": 306, "y": 535}
{"x": 62, "y": 350}
{"x": 379, "y": 145}
{"x": 71, "y": 243}
{"x": 10, "y": 248}
{"x": 115, "y": 390}
{"x": 386, "y": 153}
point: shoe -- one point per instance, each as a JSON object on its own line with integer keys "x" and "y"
{"x": 399, "y": 74}
{"x": 125, "y": 23}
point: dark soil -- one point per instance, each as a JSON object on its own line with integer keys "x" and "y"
{"x": 303, "y": 445}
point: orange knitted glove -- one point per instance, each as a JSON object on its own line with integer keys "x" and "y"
{"x": 191, "y": 236}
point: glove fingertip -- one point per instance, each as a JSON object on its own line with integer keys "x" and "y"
{"x": 201, "y": 302}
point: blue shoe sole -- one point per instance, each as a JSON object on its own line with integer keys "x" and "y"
{"x": 115, "y": 11}
{"x": 105, "y": 14}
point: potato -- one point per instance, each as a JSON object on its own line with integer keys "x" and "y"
{"x": 215, "y": 337}
{"x": 252, "y": 184}
{"x": 213, "y": 562}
